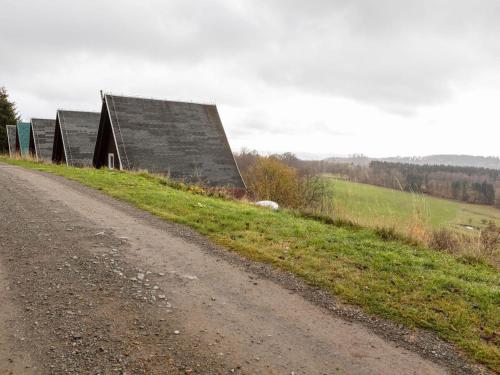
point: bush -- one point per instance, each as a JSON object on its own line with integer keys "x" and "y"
{"x": 484, "y": 248}
{"x": 270, "y": 179}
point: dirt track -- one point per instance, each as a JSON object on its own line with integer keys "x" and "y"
{"x": 90, "y": 285}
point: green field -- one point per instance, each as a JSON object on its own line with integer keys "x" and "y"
{"x": 376, "y": 206}
{"x": 457, "y": 298}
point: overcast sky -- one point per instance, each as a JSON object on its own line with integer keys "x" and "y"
{"x": 324, "y": 77}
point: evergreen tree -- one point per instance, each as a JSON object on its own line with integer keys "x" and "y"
{"x": 8, "y": 116}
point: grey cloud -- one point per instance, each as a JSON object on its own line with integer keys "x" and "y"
{"x": 257, "y": 123}
{"x": 397, "y": 55}
{"x": 155, "y": 30}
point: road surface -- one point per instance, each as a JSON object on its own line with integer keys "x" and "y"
{"x": 91, "y": 285}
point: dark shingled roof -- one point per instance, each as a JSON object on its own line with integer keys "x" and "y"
{"x": 23, "y": 138}
{"x": 11, "y": 138}
{"x": 184, "y": 140}
{"x": 42, "y": 137}
{"x": 74, "y": 138}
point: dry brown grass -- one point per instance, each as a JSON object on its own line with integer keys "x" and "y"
{"x": 18, "y": 156}
{"x": 490, "y": 239}
{"x": 484, "y": 246}
{"x": 444, "y": 240}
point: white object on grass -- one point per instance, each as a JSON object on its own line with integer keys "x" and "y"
{"x": 269, "y": 204}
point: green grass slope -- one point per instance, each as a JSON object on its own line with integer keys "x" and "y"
{"x": 371, "y": 205}
{"x": 415, "y": 286}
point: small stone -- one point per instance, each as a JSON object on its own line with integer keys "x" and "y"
{"x": 176, "y": 332}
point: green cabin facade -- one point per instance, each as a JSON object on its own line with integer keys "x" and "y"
{"x": 23, "y": 138}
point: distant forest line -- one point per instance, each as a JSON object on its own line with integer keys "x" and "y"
{"x": 463, "y": 183}
{"x": 490, "y": 162}
{"x": 467, "y": 184}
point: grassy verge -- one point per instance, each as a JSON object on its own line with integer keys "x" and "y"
{"x": 457, "y": 298}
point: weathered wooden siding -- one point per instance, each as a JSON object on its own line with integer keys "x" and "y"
{"x": 78, "y": 131}
{"x": 43, "y": 137}
{"x": 185, "y": 140}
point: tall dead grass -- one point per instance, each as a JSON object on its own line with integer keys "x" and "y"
{"x": 484, "y": 246}
{"x": 18, "y": 156}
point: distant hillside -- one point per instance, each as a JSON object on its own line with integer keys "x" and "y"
{"x": 354, "y": 159}
{"x": 453, "y": 160}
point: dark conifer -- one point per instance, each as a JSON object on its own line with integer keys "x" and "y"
{"x": 8, "y": 116}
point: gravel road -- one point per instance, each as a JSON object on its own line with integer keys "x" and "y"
{"x": 89, "y": 285}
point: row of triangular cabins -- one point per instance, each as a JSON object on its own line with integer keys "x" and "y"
{"x": 185, "y": 141}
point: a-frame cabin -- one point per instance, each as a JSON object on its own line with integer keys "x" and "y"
{"x": 11, "y": 139}
{"x": 74, "y": 137}
{"x": 185, "y": 141}
{"x": 23, "y": 132}
{"x": 42, "y": 138}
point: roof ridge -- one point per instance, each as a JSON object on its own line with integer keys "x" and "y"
{"x": 212, "y": 103}
{"x": 72, "y": 110}
{"x": 44, "y": 119}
